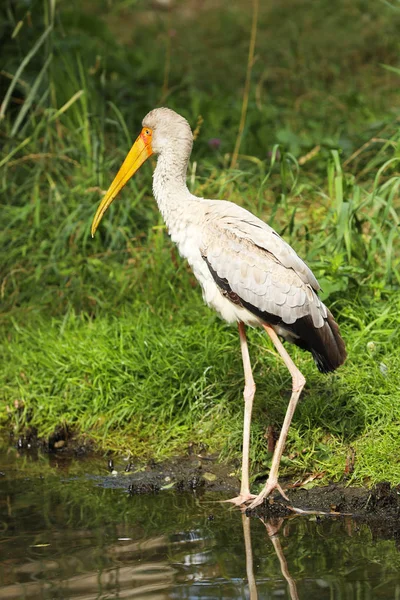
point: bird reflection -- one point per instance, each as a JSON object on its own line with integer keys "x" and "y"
{"x": 249, "y": 558}
{"x": 272, "y": 526}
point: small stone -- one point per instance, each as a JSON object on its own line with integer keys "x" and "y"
{"x": 209, "y": 476}
{"x": 59, "y": 444}
{"x": 168, "y": 486}
{"x": 195, "y": 482}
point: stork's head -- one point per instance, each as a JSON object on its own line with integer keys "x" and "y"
{"x": 163, "y": 131}
{"x": 169, "y": 130}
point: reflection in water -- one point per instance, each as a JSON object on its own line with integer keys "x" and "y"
{"x": 272, "y": 526}
{"x": 74, "y": 537}
{"x": 249, "y": 557}
{"x": 272, "y": 530}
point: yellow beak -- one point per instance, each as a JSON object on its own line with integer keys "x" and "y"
{"x": 140, "y": 151}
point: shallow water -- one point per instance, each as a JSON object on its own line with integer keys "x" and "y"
{"x": 69, "y": 530}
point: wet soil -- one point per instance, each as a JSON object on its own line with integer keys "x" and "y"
{"x": 200, "y": 472}
{"x": 379, "y": 505}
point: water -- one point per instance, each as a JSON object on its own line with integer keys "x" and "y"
{"x": 66, "y": 534}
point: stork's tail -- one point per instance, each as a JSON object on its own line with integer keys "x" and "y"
{"x": 325, "y": 343}
{"x": 334, "y": 353}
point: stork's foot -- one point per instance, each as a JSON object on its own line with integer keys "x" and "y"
{"x": 241, "y": 499}
{"x": 270, "y": 486}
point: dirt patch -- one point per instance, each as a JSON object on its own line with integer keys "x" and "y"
{"x": 62, "y": 441}
{"x": 335, "y": 499}
{"x": 378, "y": 506}
{"x": 192, "y": 473}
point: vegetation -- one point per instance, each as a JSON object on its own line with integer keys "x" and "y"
{"x": 109, "y": 337}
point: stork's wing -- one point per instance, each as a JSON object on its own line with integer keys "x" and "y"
{"x": 247, "y": 256}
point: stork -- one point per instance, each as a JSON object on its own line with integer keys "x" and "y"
{"x": 247, "y": 272}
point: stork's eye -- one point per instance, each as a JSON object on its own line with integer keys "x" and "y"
{"x": 147, "y": 135}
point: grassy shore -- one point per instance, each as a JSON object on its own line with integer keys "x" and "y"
{"x": 109, "y": 337}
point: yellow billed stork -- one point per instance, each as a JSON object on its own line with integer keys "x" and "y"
{"x": 247, "y": 272}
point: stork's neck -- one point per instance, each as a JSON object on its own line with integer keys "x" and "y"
{"x": 169, "y": 186}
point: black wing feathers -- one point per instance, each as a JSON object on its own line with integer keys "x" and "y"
{"x": 324, "y": 343}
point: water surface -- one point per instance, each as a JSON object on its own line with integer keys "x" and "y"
{"x": 69, "y": 530}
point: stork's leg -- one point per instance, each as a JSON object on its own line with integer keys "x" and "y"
{"x": 298, "y": 382}
{"x": 248, "y": 394}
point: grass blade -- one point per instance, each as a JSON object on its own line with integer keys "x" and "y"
{"x": 30, "y": 97}
{"x": 20, "y": 69}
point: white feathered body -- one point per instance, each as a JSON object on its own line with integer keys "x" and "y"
{"x": 223, "y": 233}
{"x": 246, "y": 270}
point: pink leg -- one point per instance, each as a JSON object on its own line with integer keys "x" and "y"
{"x": 298, "y": 382}
{"x": 248, "y": 394}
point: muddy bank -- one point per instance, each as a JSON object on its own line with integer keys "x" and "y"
{"x": 378, "y": 506}
{"x": 381, "y": 502}
{"x": 202, "y": 473}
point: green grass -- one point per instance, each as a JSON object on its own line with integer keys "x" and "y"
{"x": 109, "y": 336}
{"x": 153, "y": 381}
